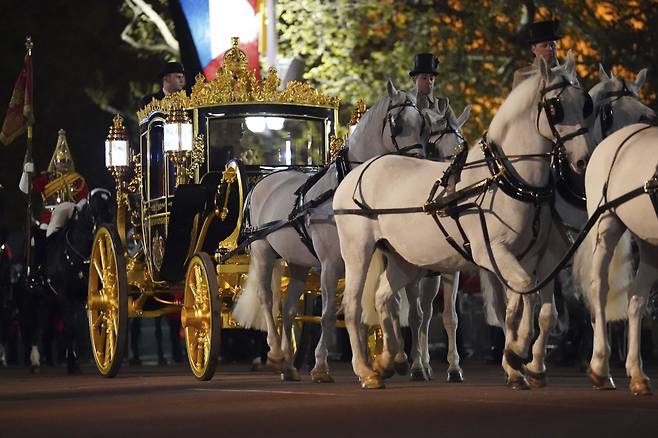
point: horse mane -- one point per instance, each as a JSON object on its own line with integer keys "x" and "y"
{"x": 360, "y": 132}
{"x": 517, "y": 105}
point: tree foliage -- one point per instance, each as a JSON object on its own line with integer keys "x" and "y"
{"x": 353, "y": 47}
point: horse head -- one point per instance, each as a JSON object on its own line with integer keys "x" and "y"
{"x": 616, "y": 104}
{"x": 562, "y": 114}
{"x": 393, "y": 124}
{"x": 445, "y": 137}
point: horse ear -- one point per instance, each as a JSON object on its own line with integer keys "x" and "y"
{"x": 390, "y": 88}
{"x": 570, "y": 64}
{"x": 602, "y": 74}
{"x": 639, "y": 80}
{"x": 464, "y": 116}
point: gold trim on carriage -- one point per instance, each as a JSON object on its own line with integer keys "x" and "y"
{"x": 175, "y": 246}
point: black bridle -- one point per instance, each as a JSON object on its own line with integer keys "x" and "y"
{"x": 430, "y": 150}
{"x": 604, "y": 111}
{"x": 396, "y": 128}
{"x": 554, "y": 111}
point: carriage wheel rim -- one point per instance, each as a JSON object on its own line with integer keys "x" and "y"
{"x": 197, "y": 304}
{"x": 103, "y": 302}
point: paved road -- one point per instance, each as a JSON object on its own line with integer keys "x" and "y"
{"x": 155, "y": 401}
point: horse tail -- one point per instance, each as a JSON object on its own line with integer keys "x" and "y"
{"x": 620, "y": 275}
{"x": 494, "y": 298}
{"x": 247, "y": 310}
{"x": 377, "y": 266}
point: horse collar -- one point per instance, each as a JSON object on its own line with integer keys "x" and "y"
{"x": 507, "y": 179}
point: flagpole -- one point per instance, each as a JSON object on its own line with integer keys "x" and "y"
{"x": 28, "y": 167}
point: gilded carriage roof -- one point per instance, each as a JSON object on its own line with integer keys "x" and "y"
{"x": 237, "y": 84}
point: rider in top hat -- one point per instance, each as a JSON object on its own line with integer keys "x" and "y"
{"x": 543, "y": 44}
{"x": 172, "y": 78}
{"x": 423, "y": 74}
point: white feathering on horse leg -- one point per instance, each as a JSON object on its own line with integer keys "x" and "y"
{"x": 247, "y": 310}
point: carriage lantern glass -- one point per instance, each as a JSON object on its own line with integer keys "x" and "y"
{"x": 178, "y": 132}
{"x": 116, "y": 145}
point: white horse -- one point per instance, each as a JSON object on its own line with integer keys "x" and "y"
{"x": 624, "y": 161}
{"x": 615, "y": 105}
{"x": 393, "y": 123}
{"x": 540, "y": 115}
{"x": 420, "y": 294}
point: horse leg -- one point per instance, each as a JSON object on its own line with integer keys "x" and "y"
{"x": 396, "y": 275}
{"x": 357, "y": 258}
{"x": 290, "y": 307}
{"x": 517, "y": 336}
{"x": 417, "y": 291}
{"x": 69, "y": 317}
{"x": 260, "y": 268}
{"x": 328, "y": 280}
{"x": 609, "y": 230}
{"x": 647, "y": 274}
{"x": 450, "y": 323}
{"x": 536, "y": 370}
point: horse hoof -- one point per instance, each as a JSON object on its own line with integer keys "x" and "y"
{"x": 402, "y": 368}
{"x": 321, "y": 377}
{"x": 418, "y": 375}
{"x": 455, "y": 376}
{"x": 429, "y": 372}
{"x": 384, "y": 373}
{"x": 290, "y": 375}
{"x": 372, "y": 382}
{"x": 514, "y": 360}
{"x": 536, "y": 380}
{"x": 600, "y": 382}
{"x": 518, "y": 383}
{"x": 275, "y": 363}
{"x": 640, "y": 387}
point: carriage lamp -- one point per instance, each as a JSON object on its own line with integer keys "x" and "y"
{"x": 179, "y": 142}
{"x": 117, "y": 153}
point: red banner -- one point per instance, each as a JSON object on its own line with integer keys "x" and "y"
{"x": 19, "y": 114}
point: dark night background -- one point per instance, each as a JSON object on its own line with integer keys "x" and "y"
{"x": 79, "y": 60}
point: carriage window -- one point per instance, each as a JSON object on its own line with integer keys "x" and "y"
{"x": 266, "y": 140}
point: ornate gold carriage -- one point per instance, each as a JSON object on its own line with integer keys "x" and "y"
{"x": 175, "y": 246}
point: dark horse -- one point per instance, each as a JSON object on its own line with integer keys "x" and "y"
{"x": 65, "y": 269}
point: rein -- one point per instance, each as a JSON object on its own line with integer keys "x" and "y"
{"x": 301, "y": 208}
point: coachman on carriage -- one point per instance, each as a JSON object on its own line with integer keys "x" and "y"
{"x": 176, "y": 244}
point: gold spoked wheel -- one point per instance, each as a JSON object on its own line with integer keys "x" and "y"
{"x": 107, "y": 301}
{"x": 200, "y": 316}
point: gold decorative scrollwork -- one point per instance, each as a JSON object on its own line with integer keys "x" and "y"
{"x": 235, "y": 83}
{"x": 335, "y": 145}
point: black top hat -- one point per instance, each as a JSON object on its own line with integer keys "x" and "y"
{"x": 541, "y": 31}
{"x": 171, "y": 67}
{"x": 425, "y": 63}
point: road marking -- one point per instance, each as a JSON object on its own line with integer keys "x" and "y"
{"x": 264, "y": 391}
